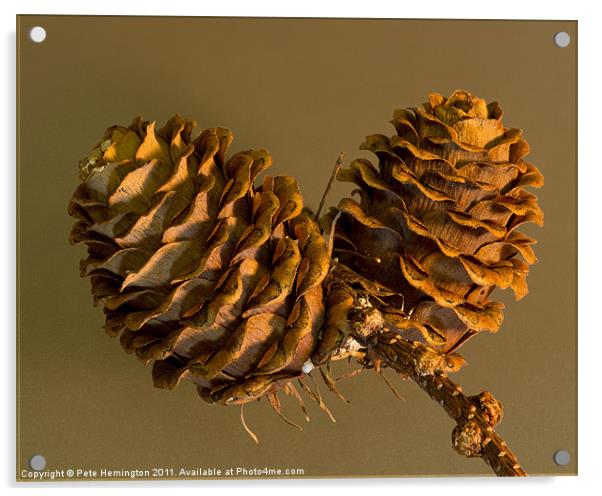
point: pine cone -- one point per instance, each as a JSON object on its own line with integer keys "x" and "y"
{"x": 213, "y": 279}
{"x": 435, "y": 228}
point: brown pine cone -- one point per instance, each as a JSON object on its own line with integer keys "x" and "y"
{"x": 435, "y": 227}
{"x": 213, "y": 279}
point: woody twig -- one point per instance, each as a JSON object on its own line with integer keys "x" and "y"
{"x": 475, "y": 416}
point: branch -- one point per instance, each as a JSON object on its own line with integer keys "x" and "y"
{"x": 475, "y": 416}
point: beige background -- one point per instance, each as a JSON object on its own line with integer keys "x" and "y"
{"x": 306, "y": 90}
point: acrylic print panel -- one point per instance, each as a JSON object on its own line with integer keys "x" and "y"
{"x": 305, "y": 90}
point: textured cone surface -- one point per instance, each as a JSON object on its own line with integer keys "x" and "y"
{"x": 209, "y": 277}
{"x": 434, "y": 227}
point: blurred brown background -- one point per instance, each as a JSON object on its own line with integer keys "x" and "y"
{"x": 305, "y": 89}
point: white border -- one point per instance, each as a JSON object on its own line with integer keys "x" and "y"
{"x": 590, "y": 179}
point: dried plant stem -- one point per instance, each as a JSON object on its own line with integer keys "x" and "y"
{"x": 333, "y": 176}
{"x": 475, "y": 416}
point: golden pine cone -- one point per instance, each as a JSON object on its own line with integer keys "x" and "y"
{"x": 435, "y": 227}
{"x": 213, "y": 279}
